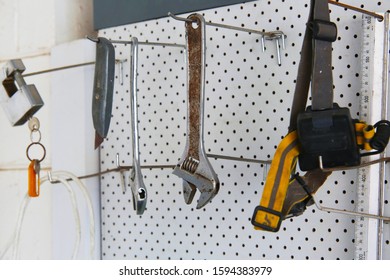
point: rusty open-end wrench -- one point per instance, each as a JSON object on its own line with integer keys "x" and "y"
{"x": 194, "y": 167}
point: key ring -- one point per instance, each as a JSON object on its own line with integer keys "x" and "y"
{"x": 38, "y": 136}
{"x": 39, "y": 144}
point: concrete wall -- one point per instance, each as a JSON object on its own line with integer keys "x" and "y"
{"x": 30, "y": 30}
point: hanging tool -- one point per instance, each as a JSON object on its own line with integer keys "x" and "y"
{"x": 35, "y": 163}
{"x": 19, "y": 100}
{"x": 269, "y": 214}
{"x": 321, "y": 136}
{"x": 136, "y": 179}
{"x": 103, "y": 87}
{"x": 194, "y": 167}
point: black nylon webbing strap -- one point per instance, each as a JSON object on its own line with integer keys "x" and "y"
{"x": 319, "y": 34}
{"x": 324, "y": 33}
{"x": 303, "y": 76}
{"x": 315, "y": 67}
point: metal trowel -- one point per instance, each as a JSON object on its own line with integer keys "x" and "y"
{"x": 103, "y": 87}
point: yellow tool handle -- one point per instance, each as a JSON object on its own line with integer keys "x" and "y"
{"x": 268, "y": 215}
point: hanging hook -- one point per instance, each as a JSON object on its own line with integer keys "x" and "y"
{"x": 96, "y": 40}
{"x": 180, "y": 18}
{"x": 271, "y": 35}
{"x": 335, "y": 210}
{"x": 121, "y": 173}
{"x": 51, "y": 180}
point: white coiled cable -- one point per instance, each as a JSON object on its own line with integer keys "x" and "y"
{"x": 62, "y": 177}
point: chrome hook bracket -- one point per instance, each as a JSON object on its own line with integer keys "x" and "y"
{"x": 278, "y": 36}
{"x": 335, "y": 210}
{"x": 121, "y": 170}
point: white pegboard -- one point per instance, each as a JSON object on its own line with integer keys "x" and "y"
{"x": 247, "y": 110}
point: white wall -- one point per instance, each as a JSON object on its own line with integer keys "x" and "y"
{"x": 73, "y": 143}
{"x": 29, "y": 30}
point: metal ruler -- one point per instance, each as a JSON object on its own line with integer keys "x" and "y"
{"x": 366, "y": 230}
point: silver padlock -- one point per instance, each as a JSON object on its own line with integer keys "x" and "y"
{"x": 19, "y": 100}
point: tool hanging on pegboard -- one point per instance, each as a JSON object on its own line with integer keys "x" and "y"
{"x": 321, "y": 136}
{"x": 194, "y": 167}
{"x": 137, "y": 185}
{"x": 103, "y": 88}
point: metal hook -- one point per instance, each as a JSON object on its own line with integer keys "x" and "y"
{"x": 180, "y": 18}
{"x": 146, "y": 43}
{"x": 96, "y": 40}
{"x": 121, "y": 173}
{"x": 276, "y": 36}
{"x": 51, "y": 180}
{"x": 121, "y": 70}
{"x": 272, "y": 35}
{"x": 311, "y": 194}
{"x": 347, "y": 212}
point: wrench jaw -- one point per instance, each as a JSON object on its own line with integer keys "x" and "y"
{"x": 206, "y": 195}
{"x": 139, "y": 192}
{"x": 189, "y": 191}
{"x": 202, "y": 178}
{"x": 209, "y": 186}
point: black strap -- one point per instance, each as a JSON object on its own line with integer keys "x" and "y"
{"x": 315, "y": 64}
{"x": 303, "y": 77}
{"x": 314, "y": 69}
{"x": 324, "y": 33}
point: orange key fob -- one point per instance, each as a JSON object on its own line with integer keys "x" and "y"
{"x": 33, "y": 178}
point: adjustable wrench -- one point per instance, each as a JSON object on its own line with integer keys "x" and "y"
{"x": 137, "y": 185}
{"x": 194, "y": 167}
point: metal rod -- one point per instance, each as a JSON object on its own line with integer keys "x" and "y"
{"x": 278, "y": 53}
{"x": 243, "y": 29}
{"x": 140, "y": 43}
{"x": 163, "y": 166}
{"x": 149, "y": 43}
{"x": 92, "y": 62}
{"x": 382, "y": 169}
{"x": 379, "y": 17}
{"x": 364, "y": 164}
{"x": 179, "y": 18}
{"x": 215, "y": 156}
{"x": 269, "y": 34}
{"x": 67, "y": 67}
{"x": 171, "y": 166}
{"x": 240, "y": 159}
{"x": 347, "y": 212}
{"x": 58, "y": 69}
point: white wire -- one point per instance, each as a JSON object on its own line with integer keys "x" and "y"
{"x": 75, "y": 213}
{"x": 56, "y": 176}
{"x": 11, "y": 241}
{"x": 89, "y": 205}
